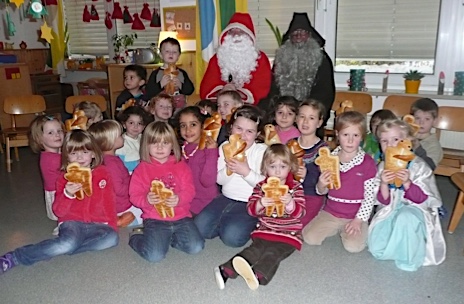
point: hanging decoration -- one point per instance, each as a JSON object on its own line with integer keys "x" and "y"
{"x": 94, "y": 13}
{"x": 17, "y": 2}
{"x": 46, "y": 32}
{"x": 108, "y": 22}
{"x": 36, "y": 9}
{"x": 155, "y": 20}
{"x": 117, "y": 11}
{"x": 10, "y": 25}
{"x": 86, "y": 17}
{"x": 126, "y": 16}
{"x": 137, "y": 24}
{"x": 146, "y": 13}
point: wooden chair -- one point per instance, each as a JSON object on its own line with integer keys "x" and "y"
{"x": 72, "y": 101}
{"x": 450, "y": 119}
{"x": 362, "y": 102}
{"x": 15, "y": 135}
{"x": 400, "y": 105}
{"x": 458, "y": 180}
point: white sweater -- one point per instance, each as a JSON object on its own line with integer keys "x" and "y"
{"x": 235, "y": 186}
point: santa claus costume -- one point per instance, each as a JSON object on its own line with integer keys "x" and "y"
{"x": 239, "y": 63}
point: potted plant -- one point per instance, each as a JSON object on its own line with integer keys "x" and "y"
{"x": 276, "y": 31}
{"x": 412, "y": 81}
{"x": 120, "y": 45}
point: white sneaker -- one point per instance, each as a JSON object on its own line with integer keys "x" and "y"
{"x": 244, "y": 270}
{"x": 220, "y": 280}
{"x": 56, "y": 231}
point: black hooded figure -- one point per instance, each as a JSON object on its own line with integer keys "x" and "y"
{"x": 302, "y": 68}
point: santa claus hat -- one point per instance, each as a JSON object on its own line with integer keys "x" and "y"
{"x": 241, "y": 21}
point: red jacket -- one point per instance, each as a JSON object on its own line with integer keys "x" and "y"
{"x": 98, "y": 208}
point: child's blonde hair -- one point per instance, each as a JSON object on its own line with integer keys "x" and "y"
{"x": 151, "y": 106}
{"x": 404, "y": 127}
{"x": 105, "y": 133}
{"x": 156, "y": 132}
{"x": 282, "y": 152}
{"x": 35, "y": 133}
{"x": 351, "y": 118}
{"x": 78, "y": 140}
{"x": 234, "y": 95}
{"x": 90, "y": 108}
{"x": 316, "y": 105}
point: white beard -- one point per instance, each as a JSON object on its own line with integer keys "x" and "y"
{"x": 237, "y": 56}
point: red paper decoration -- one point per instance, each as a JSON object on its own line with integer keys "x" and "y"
{"x": 126, "y": 16}
{"x": 137, "y": 24}
{"x": 86, "y": 15}
{"x": 155, "y": 20}
{"x": 146, "y": 13}
{"x": 108, "y": 22}
{"x": 94, "y": 13}
{"x": 117, "y": 11}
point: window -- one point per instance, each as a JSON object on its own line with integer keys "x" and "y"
{"x": 86, "y": 37}
{"x": 145, "y": 37}
{"x": 280, "y": 14}
{"x": 387, "y": 34}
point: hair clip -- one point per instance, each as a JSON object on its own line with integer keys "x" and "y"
{"x": 235, "y": 115}
{"x": 49, "y": 117}
{"x": 203, "y": 111}
{"x": 257, "y": 121}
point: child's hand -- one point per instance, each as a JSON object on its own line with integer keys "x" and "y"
{"x": 302, "y": 171}
{"x": 165, "y": 80}
{"x": 239, "y": 167}
{"x": 387, "y": 176}
{"x": 153, "y": 198}
{"x": 286, "y": 199}
{"x": 267, "y": 201}
{"x": 177, "y": 83}
{"x": 172, "y": 201}
{"x": 72, "y": 188}
{"x": 210, "y": 143}
{"x": 403, "y": 175}
{"x": 324, "y": 180}
{"x": 353, "y": 227}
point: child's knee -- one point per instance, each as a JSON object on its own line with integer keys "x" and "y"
{"x": 312, "y": 238}
{"x": 353, "y": 247}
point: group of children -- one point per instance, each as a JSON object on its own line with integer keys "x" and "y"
{"x": 165, "y": 149}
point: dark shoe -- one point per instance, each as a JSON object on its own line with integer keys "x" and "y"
{"x": 244, "y": 270}
{"x": 221, "y": 277}
{"x": 6, "y": 262}
{"x": 138, "y": 230}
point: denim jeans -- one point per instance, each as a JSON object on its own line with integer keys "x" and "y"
{"x": 157, "y": 236}
{"x": 228, "y": 219}
{"x": 74, "y": 237}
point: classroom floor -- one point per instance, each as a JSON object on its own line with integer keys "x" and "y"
{"x": 318, "y": 274}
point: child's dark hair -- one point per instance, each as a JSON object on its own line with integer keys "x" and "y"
{"x": 135, "y": 110}
{"x": 207, "y": 103}
{"x": 172, "y": 41}
{"x": 195, "y": 111}
{"x": 283, "y": 101}
{"x": 139, "y": 70}
{"x": 78, "y": 140}
{"x": 425, "y": 105}
{"x": 252, "y": 113}
{"x": 381, "y": 115}
{"x": 316, "y": 105}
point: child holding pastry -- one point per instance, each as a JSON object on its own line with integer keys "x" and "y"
{"x": 134, "y": 120}
{"x": 309, "y": 119}
{"x": 278, "y": 233}
{"x": 202, "y": 162}
{"x": 108, "y": 136}
{"x": 46, "y": 136}
{"x": 134, "y": 79}
{"x": 170, "y": 79}
{"x": 371, "y": 145}
{"x": 227, "y": 216}
{"x": 85, "y": 209}
{"x": 407, "y": 228}
{"x": 227, "y": 102}
{"x": 284, "y": 115}
{"x": 161, "y": 107}
{"x": 348, "y": 207}
{"x": 92, "y": 111}
{"x": 162, "y": 186}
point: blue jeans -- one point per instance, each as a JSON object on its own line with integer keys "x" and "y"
{"x": 228, "y": 219}
{"x": 157, "y": 236}
{"x": 74, "y": 237}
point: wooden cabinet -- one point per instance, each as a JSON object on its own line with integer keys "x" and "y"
{"x": 116, "y": 75}
{"x": 48, "y": 86}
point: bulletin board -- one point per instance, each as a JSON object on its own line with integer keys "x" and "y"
{"x": 181, "y": 19}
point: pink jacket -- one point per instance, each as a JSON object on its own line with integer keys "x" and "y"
{"x": 176, "y": 176}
